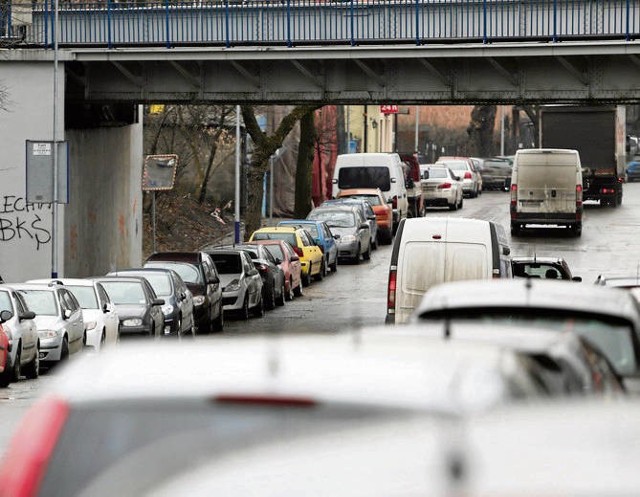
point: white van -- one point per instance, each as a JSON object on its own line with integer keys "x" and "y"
{"x": 546, "y": 188}
{"x": 433, "y": 250}
{"x": 374, "y": 170}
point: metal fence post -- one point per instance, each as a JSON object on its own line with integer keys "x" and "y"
{"x": 226, "y": 23}
{"x": 417, "y": 23}
{"x": 109, "y": 41}
{"x": 166, "y": 24}
{"x": 555, "y": 20}
{"x": 484, "y": 21}
{"x": 628, "y": 34}
{"x": 46, "y": 23}
{"x": 352, "y": 25}
{"x": 289, "y": 44}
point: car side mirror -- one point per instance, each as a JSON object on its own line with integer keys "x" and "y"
{"x": 576, "y": 278}
{"x": 183, "y": 296}
{"x": 105, "y": 307}
{"x": 318, "y": 242}
{"x": 66, "y": 313}
{"x": 295, "y": 258}
{"x": 158, "y": 302}
{"x": 278, "y": 260}
{"x": 457, "y": 178}
{"x": 215, "y": 280}
{"x": 7, "y": 315}
{"x": 336, "y": 236}
{"x": 425, "y": 175}
{"x": 364, "y": 226}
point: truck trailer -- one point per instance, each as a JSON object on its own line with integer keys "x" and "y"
{"x": 598, "y": 134}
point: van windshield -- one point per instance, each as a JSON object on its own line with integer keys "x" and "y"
{"x": 364, "y": 177}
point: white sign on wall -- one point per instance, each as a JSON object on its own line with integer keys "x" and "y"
{"x": 40, "y": 172}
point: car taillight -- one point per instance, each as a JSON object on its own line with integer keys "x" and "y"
{"x": 31, "y": 447}
{"x": 607, "y": 191}
{"x": 391, "y": 291}
{"x": 298, "y": 251}
{"x": 514, "y": 200}
{"x": 578, "y": 195}
{"x": 467, "y": 175}
{"x": 444, "y": 186}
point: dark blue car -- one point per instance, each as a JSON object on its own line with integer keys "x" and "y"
{"x": 321, "y": 233}
{"x": 633, "y": 171}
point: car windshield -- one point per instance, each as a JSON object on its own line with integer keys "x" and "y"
{"x": 437, "y": 172}
{"x": 5, "y": 302}
{"x": 275, "y": 251}
{"x": 371, "y": 199}
{"x": 188, "y": 272}
{"x": 457, "y": 165}
{"x": 612, "y": 336}
{"x": 42, "y": 302}
{"x": 227, "y": 263}
{"x": 125, "y": 292}
{"x": 335, "y": 218}
{"x": 86, "y": 296}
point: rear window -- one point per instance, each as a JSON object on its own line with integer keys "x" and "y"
{"x": 275, "y": 251}
{"x": 42, "y": 302}
{"x": 457, "y": 165}
{"x": 335, "y": 218}
{"x": 86, "y": 296}
{"x": 289, "y": 237}
{"x": 438, "y": 172}
{"x": 371, "y": 199}
{"x": 188, "y": 272}
{"x": 124, "y": 292}
{"x": 364, "y": 177}
{"x": 126, "y": 449}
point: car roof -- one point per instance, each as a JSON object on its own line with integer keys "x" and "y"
{"x": 276, "y": 229}
{"x": 360, "y": 368}
{"x": 33, "y": 286}
{"x": 541, "y": 260}
{"x": 190, "y": 257}
{"x": 64, "y": 281}
{"x": 361, "y": 191}
{"x": 620, "y": 281}
{"x": 140, "y": 279}
{"x": 535, "y": 294}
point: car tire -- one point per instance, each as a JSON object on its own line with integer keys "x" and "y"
{"x": 516, "y": 229}
{"x": 291, "y": 293}
{"x": 217, "y": 325}
{"x": 577, "y": 230}
{"x": 6, "y": 377}
{"x": 321, "y": 273}
{"x": 297, "y": 291}
{"x": 367, "y": 255}
{"x": 32, "y": 370}
{"x": 64, "y": 350}
{"x": 16, "y": 370}
{"x": 460, "y": 203}
{"x": 334, "y": 266}
{"x": 306, "y": 278}
{"x": 374, "y": 244}
{"x": 280, "y": 300}
{"x": 270, "y": 300}
{"x": 244, "y": 311}
{"x": 454, "y": 206}
{"x": 356, "y": 258}
{"x": 258, "y": 310}
{"x": 179, "y": 326}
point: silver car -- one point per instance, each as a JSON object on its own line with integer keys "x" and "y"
{"x": 469, "y": 175}
{"x": 350, "y": 227}
{"x": 59, "y": 320}
{"x": 24, "y": 346}
{"x": 441, "y": 188}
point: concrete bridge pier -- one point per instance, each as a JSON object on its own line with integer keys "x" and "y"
{"x": 101, "y": 227}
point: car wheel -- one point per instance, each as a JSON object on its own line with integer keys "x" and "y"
{"x": 367, "y": 255}
{"x": 291, "y": 292}
{"x": 374, "y": 244}
{"x": 515, "y": 229}
{"x": 6, "y": 376}
{"x": 244, "y": 312}
{"x": 258, "y": 310}
{"x": 306, "y": 278}
{"x": 64, "y": 350}
{"x": 460, "y": 203}
{"x": 217, "y": 325}
{"x": 297, "y": 291}
{"x": 16, "y": 370}
{"x": 334, "y": 266}
{"x": 280, "y": 300}
{"x": 179, "y": 327}
{"x": 356, "y": 258}
{"x": 454, "y": 206}
{"x": 577, "y": 230}
{"x": 32, "y": 370}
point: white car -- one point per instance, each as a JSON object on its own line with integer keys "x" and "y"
{"x": 58, "y": 318}
{"x": 98, "y": 312}
{"x": 441, "y": 188}
{"x": 24, "y": 348}
{"x": 464, "y": 167}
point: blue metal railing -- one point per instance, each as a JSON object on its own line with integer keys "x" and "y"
{"x": 233, "y": 23}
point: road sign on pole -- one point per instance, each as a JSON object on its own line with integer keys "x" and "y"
{"x": 159, "y": 172}
{"x": 40, "y": 172}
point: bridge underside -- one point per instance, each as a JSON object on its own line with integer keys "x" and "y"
{"x": 533, "y": 73}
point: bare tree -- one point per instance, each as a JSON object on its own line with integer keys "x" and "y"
{"x": 264, "y": 147}
{"x": 304, "y": 168}
{"x": 481, "y": 129}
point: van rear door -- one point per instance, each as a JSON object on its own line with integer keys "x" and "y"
{"x": 547, "y": 184}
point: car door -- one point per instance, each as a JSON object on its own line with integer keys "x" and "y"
{"x": 214, "y": 292}
{"x": 73, "y": 316}
{"x": 252, "y": 278}
{"x": 184, "y": 299}
{"x": 111, "y": 321}
{"x": 156, "y": 310}
{"x": 362, "y": 233}
{"x": 28, "y": 328}
{"x": 311, "y": 250}
{"x": 329, "y": 243}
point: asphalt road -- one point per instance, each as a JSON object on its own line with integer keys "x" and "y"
{"x": 355, "y": 296}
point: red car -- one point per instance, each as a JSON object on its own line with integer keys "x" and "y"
{"x": 289, "y": 262}
{"x": 5, "y": 368}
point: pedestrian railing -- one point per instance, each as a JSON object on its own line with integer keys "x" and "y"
{"x": 231, "y": 23}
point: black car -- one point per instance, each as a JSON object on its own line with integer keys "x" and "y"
{"x": 554, "y": 268}
{"x": 201, "y": 277}
{"x": 138, "y": 306}
{"x": 178, "y": 300}
{"x": 273, "y": 291}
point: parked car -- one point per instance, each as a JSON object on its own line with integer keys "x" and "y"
{"x": 365, "y": 209}
{"x": 98, "y": 312}
{"x": 607, "y": 317}
{"x": 542, "y": 267}
{"x": 138, "y": 306}
{"x": 6, "y": 373}
{"x": 58, "y": 318}
{"x": 633, "y": 171}
{"x": 311, "y": 256}
{"x": 203, "y": 281}
{"x": 322, "y": 236}
{"x": 382, "y": 210}
{"x": 240, "y": 281}
{"x": 272, "y": 276}
{"x": 289, "y": 262}
{"x": 429, "y": 251}
{"x": 441, "y": 188}
{"x": 495, "y": 172}
{"x": 287, "y": 413}
{"x": 179, "y": 320}
{"x": 466, "y": 170}
{"x": 629, "y": 283}
{"x": 352, "y": 229}
{"x": 22, "y": 333}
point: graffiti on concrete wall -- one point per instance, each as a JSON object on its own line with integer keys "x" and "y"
{"x": 21, "y": 220}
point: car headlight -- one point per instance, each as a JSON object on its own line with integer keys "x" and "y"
{"x": 233, "y": 286}
{"x": 167, "y": 309}
{"x": 132, "y": 322}
{"x": 347, "y": 239}
{"x": 91, "y": 325}
{"x": 47, "y": 334}
{"x": 198, "y": 300}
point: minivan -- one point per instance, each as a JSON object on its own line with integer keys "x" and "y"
{"x": 429, "y": 251}
{"x": 546, "y": 188}
{"x": 374, "y": 170}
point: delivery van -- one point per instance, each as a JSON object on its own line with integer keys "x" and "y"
{"x": 374, "y": 170}
{"x": 546, "y": 188}
{"x": 432, "y": 250}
